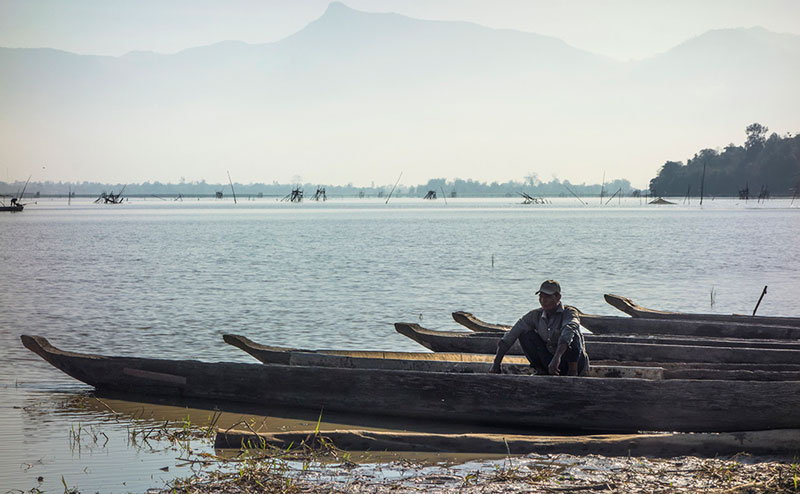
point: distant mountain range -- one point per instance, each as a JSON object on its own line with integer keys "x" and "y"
{"x": 354, "y": 91}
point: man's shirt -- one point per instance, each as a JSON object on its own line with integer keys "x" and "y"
{"x": 562, "y": 327}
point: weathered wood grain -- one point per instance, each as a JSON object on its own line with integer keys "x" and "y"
{"x": 411, "y": 361}
{"x": 470, "y": 321}
{"x": 693, "y": 332}
{"x": 772, "y": 442}
{"x": 717, "y": 329}
{"x": 597, "y": 349}
{"x": 627, "y": 306}
{"x": 525, "y": 402}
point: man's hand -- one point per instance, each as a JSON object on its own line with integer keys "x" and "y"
{"x": 552, "y": 369}
{"x": 495, "y": 369}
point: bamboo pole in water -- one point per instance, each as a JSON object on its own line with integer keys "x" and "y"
{"x": 395, "y": 186}
{"x": 233, "y": 191}
{"x": 764, "y": 292}
{"x": 702, "y": 183}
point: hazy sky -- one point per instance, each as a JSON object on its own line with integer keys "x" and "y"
{"x": 621, "y": 29}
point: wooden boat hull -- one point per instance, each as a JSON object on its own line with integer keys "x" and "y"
{"x": 425, "y": 362}
{"x": 661, "y": 445}
{"x": 521, "y": 401}
{"x": 608, "y": 325}
{"x": 469, "y": 321}
{"x": 628, "y": 306}
{"x": 480, "y": 363}
{"x": 450, "y": 341}
{"x": 715, "y": 329}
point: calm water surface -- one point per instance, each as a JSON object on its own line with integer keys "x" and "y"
{"x": 167, "y": 279}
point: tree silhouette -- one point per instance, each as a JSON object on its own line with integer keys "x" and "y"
{"x": 772, "y": 162}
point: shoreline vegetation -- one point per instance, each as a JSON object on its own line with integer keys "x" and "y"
{"x": 558, "y": 473}
{"x": 313, "y": 463}
{"x": 532, "y": 473}
{"x": 763, "y": 166}
{"x": 318, "y": 460}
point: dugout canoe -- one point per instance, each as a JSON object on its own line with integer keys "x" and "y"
{"x": 629, "y": 307}
{"x": 469, "y": 321}
{"x": 425, "y": 362}
{"x": 464, "y": 342}
{"x": 714, "y": 329}
{"x": 525, "y": 402}
{"x": 781, "y": 442}
{"x": 641, "y": 326}
{"x": 478, "y": 363}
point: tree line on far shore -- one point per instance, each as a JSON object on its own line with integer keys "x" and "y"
{"x": 450, "y": 188}
{"x": 762, "y": 166}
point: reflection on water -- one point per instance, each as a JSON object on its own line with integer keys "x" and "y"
{"x": 90, "y": 439}
{"x": 166, "y": 280}
{"x": 58, "y": 435}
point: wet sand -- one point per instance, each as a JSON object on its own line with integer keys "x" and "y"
{"x": 532, "y": 473}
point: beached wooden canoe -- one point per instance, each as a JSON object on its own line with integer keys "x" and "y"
{"x": 426, "y": 362}
{"x": 453, "y": 341}
{"x": 781, "y": 442}
{"x": 525, "y": 402}
{"x": 479, "y": 363}
{"x": 627, "y": 306}
{"x": 714, "y": 329}
{"x": 469, "y": 321}
{"x": 641, "y": 326}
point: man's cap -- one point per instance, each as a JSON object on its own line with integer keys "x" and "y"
{"x": 549, "y": 287}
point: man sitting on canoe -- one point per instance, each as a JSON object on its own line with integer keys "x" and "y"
{"x": 550, "y": 336}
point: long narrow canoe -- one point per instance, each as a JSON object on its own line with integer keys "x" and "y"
{"x": 478, "y": 363}
{"x": 469, "y": 321}
{"x": 715, "y": 329}
{"x": 452, "y": 341}
{"x": 661, "y": 445}
{"x": 628, "y": 306}
{"x": 642, "y": 326}
{"x": 426, "y": 362}
{"x": 525, "y": 402}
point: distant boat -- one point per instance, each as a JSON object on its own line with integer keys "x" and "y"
{"x": 14, "y": 207}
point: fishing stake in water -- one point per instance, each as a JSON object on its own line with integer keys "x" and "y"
{"x": 233, "y": 191}
{"x": 764, "y": 292}
{"x": 395, "y": 186}
{"x": 574, "y": 194}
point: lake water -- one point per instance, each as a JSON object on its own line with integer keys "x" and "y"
{"x": 167, "y": 279}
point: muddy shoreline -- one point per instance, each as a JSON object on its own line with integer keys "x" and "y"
{"x": 315, "y": 464}
{"x": 532, "y": 473}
